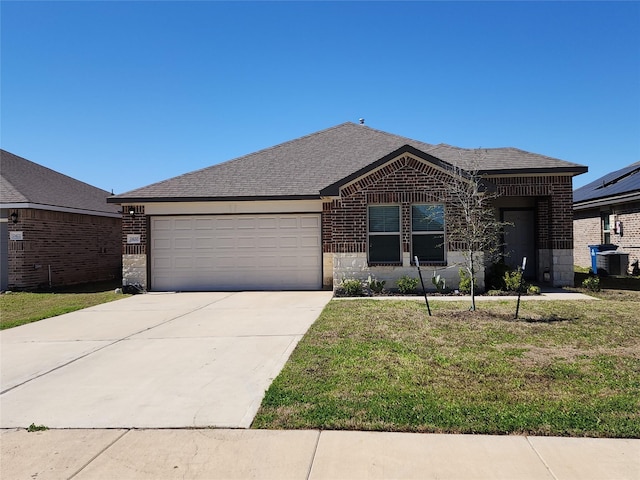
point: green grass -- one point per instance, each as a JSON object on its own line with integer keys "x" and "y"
{"x": 565, "y": 368}
{"x": 19, "y": 308}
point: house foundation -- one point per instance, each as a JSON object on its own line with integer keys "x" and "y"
{"x": 347, "y": 266}
{"x": 134, "y": 270}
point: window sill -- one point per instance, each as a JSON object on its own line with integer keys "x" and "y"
{"x": 430, "y": 264}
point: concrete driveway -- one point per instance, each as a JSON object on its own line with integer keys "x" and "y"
{"x": 153, "y": 361}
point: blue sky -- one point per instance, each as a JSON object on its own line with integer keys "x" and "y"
{"x": 124, "y": 94}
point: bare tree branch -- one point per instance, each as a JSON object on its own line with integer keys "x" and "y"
{"x": 471, "y": 224}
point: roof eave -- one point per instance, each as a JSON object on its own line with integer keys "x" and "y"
{"x": 58, "y": 208}
{"x": 573, "y": 171}
{"x": 123, "y": 200}
{"x": 604, "y": 201}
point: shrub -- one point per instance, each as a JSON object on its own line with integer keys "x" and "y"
{"x": 439, "y": 282}
{"x": 533, "y": 290}
{"x": 352, "y": 287}
{"x": 465, "y": 281}
{"x": 592, "y": 283}
{"x": 502, "y": 277}
{"x": 376, "y": 286}
{"x": 512, "y": 281}
{"x": 407, "y": 284}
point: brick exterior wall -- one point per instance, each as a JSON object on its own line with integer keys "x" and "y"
{"x": 407, "y": 180}
{"x": 587, "y": 230}
{"x": 554, "y": 206}
{"x": 403, "y": 181}
{"x": 629, "y": 240}
{"x": 134, "y": 225}
{"x": 134, "y": 256}
{"x": 587, "y": 227}
{"x": 79, "y": 249}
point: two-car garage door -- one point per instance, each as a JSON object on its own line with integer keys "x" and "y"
{"x": 236, "y": 252}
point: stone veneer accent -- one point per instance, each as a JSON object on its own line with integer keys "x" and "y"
{"x": 562, "y": 271}
{"x": 327, "y": 271}
{"x": 134, "y": 270}
{"x": 355, "y": 266}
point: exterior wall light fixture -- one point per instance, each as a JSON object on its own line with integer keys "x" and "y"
{"x": 132, "y": 211}
{"x": 14, "y": 217}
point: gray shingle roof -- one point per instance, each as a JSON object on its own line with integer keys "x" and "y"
{"x": 23, "y": 181}
{"x": 305, "y": 166}
{"x": 500, "y": 160}
{"x": 623, "y": 181}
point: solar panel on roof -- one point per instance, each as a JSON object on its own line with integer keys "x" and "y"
{"x": 621, "y": 181}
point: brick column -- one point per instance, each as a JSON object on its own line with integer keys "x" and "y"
{"x": 134, "y": 255}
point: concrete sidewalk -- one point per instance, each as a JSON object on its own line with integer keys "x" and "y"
{"x": 309, "y": 454}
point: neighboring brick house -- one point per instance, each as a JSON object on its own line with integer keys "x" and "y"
{"x": 346, "y": 202}
{"x": 607, "y": 211}
{"x": 55, "y": 230}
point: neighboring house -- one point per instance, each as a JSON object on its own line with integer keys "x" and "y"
{"x": 607, "y": 211}
{"x": 55, "y": 230}
{"x": 345, "y": 202}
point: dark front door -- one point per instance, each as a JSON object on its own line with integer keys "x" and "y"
{"x": 519, "y": 240}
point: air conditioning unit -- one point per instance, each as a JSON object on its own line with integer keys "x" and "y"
{"x": 612, "y": 262}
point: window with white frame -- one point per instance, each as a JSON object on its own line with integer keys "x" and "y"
{"x": 427, "y": 233}
{"x": 606, "y": 226}
{"x": 384, "y": 234}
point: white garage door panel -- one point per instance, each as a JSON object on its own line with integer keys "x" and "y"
{"x": 162, "y": 224}
{"x": 204, "y": 223}
{"x": 161, "y": 243}
{"x": 183, "y": 224}
{"x": 236, "y": 252}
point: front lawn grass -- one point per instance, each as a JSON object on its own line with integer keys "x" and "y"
{"x": 569, "y": 368}
{"x": 19, "y": 308}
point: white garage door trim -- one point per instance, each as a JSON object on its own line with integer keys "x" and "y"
{"x": 236, "y": 252}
